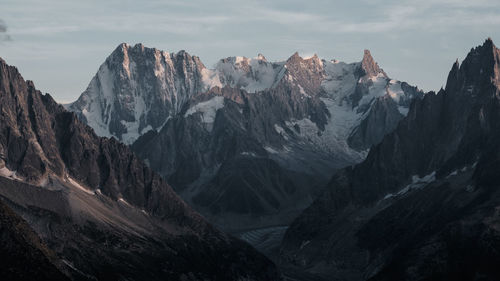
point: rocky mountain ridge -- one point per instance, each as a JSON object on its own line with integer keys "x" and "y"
{"x": 305, "y": 117}
{"x": 98, "y": 207}
{"x": 423, "y": 205}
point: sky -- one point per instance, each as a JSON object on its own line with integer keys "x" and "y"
{"x": 60, "y": 44}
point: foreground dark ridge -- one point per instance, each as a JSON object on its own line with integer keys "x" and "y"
{"x": 424, "y": 204}
{"x": 103, "y": 212}
{"x": 23, "y": 254}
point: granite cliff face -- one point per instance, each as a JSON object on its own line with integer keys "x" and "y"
{"x": 299, "y": 120}
{"x": 423, "y": 205}
{"x": 102, "y": 212}
{"x": 137, "y": 89}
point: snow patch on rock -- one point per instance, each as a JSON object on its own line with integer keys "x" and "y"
{"x": 250, "y": 74}
{"x": 121, "y": 200}
{"x": 247, "y": 153}
{"x": 210, "y": 78}
{"x": 340, "y": 79}
{"x": 416, "y": 183}
{"x": 99, "y": 100}
{"x": 207, "y": 109}
{"x": 80, "y": 187}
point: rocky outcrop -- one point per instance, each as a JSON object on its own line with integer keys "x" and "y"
{"x": 39, "y": 139}
{"x": 98, "y": 207}
{"x": 369, "y": 66}
{"x": 308, "y": 73}
{"x": 422, "y": 204}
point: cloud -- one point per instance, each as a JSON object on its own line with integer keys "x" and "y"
{"x": 199, "y": 18}
{"x": 428, "y": 15}
{"x": 3, "y": 26}
{"x": 4, "y": 36}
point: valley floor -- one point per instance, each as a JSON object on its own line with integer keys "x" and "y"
{"x": 265, "y": 240}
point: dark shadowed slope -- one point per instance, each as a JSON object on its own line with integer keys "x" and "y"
{"x": 23, "y": 254}
{"x": 103, "y": 212}
{"x": 424, "y": 204}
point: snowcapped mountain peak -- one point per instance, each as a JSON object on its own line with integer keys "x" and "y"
{"x": 303, "y": 115}
{"x": 297, "y": 58}
{"x": 308, "y": 73}
{"x": 314, "y": 63}
{"x": 252, "y": 75}
{"x": 138, "y": 89}
{"x": 258, "y": 74}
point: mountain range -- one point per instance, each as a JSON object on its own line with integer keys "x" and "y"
{"x": 99, "y": 210}
{"x": 303, "y": 169}
{"x": 424, "y": 203}
{"x": 250, "y": 143}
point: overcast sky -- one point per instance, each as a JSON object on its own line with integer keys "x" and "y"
{"x": 59, "y": 44}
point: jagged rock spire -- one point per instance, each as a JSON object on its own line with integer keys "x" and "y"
{"x": 369, "y": 66}
{"x": 294, "y": 57}
{"x": 481, "y": 65}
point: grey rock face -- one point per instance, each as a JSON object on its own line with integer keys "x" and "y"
{"x": 383, "y": 117}
{"x": 137, "y": 89}
{"x": 99, "y": 208}
{"x": 369, "y": 66}
{"x": 188, "y": 150}
{"x": 421, "y": 206}
{"x": 308, "y": 73}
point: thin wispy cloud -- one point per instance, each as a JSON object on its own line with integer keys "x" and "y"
{"x": 3, "y": 27}
{"x": 427, "y": 15}
{"x": 385, "y": 16}
{"x": 4, "y": 36}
